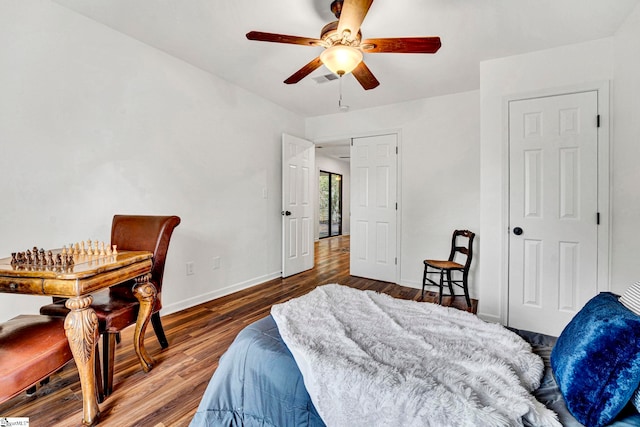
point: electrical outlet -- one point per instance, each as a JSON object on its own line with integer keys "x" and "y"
{"x": 190, "y": 267}
{"x": 216, "y": 263}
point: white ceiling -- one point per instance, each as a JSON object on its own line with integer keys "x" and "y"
{"x": 339, "y": 150}
{"x": 210, "y": 34}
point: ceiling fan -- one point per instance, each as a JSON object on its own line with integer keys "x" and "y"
{"x": 344, "y": 46}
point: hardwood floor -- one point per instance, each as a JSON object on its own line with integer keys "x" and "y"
{"x": 198, "y": 336}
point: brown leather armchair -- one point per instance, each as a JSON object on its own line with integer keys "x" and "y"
{"x": 32, "y": 347}
{"x": 117, "y": 307}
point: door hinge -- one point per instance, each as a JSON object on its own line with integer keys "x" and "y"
{"x": 396, "y": 150}
{"x": 598, "y": 120}
{"x": 396, "y": 260}
{"x": 597, "y": 218}
{"x": 396, "y": 205}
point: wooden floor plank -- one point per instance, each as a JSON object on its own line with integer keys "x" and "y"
{"x": 198, "y": 336}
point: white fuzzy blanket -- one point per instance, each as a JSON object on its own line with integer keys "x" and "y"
{"x": 371, "y": 360}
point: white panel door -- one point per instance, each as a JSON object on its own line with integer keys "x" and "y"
{"x": 298, "y": 166}
{"x": 373, "y": 207}
{"x": 553, "y": 182}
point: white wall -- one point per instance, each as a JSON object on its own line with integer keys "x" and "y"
{"x": 440, "y": 166}
{"x": 625, "y": 194}
{"x": 94, "y": 123}
{"x": 330, "y": 164}
{"x": 558, "y": 68}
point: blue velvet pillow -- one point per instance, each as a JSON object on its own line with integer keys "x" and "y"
{"x": 596, "y": 360}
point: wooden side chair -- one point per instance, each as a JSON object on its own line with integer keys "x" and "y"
{"x": 117, "y": 306}
{"x": 32, "y": 347}
{"x": 445, "y": 269}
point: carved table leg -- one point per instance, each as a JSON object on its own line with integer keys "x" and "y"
{"x": 145, "y": 292}
{"x": 81, "y": 328}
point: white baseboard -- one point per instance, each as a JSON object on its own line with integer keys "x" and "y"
{"x": 489, "y": 317}
{"x": 215, "y": 294}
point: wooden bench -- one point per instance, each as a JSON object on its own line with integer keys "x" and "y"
{"x": 32, "y": 347}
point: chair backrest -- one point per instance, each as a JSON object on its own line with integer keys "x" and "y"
{"x": 145, "y": 233}
{"x": 466, "y": 250}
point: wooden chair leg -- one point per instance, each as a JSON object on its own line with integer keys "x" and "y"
{"x": 453, "y": 295}
{"x": 441, "y": 286}
{"x": 32, "y": 390}
{"x": 157, "y": 327}
{"x": 108, "y": 356}
{"x": 465, "y": 287}
{"x": 98, "y": 374}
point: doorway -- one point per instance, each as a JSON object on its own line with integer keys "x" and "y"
{"x": 374, "y": 207}
{"x": 298, "y": 216}
{"x": 330, "y": 204}
{"x": 553, "y": 204}
{"x": 370, "y": 169}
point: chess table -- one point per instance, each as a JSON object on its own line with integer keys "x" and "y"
{"x": 76, "y": 281}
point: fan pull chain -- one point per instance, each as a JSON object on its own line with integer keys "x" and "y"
{"x": 343, "y": 108}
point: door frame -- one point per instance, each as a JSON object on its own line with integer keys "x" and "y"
{"x": 341, "y": 207}
{"x": 398, "y": 133}
{"x": 604, "y": 204}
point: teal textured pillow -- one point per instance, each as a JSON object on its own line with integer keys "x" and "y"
{"x": 596, "y": 360}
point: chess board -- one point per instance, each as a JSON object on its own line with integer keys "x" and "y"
{"x": 64, "y": 260}
{"x": 70, "y": 270}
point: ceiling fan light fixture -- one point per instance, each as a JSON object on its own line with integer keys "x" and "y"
{"x": 341, "y": 59}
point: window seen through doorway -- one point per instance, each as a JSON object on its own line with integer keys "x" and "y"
{"x": 330, "y": 193}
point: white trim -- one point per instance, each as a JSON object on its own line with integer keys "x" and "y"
{"x": 218, "y": 293}
{"x": 604, "y": 182}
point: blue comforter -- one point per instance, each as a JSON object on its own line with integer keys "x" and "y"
{"x": 258, "y": 384}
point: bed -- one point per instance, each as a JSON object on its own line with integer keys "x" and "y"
{"x": 260, "y": 382}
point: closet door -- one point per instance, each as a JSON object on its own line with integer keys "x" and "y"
{"x": 374, "y": 207}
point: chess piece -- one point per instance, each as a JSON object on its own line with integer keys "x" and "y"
{"x": 14, "y": 259}
{"x": 115, "y": 251}
{"x": 82, "y": 249}
{"x": 43, "y": 260}
{"x": 50, "y": 260}
{"x": 59, "y": 259}
{"x": 102, "y": 252}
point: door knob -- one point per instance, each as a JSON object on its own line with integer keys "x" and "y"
{"x": 517, "y": 231}
{"x": 287, "y": 213}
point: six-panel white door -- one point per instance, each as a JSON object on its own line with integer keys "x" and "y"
{"x": 553, "y": 203}
{"x": 373, "y": 207}
{"x": 298, "y": 166}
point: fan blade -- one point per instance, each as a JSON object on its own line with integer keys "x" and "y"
{"x": 281, "y": 38}
{"x": 401, "y": 45}
{"x": 304, "y": 71}
{"x": 365, "y": 77}
{"x": 352, "y": 15}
